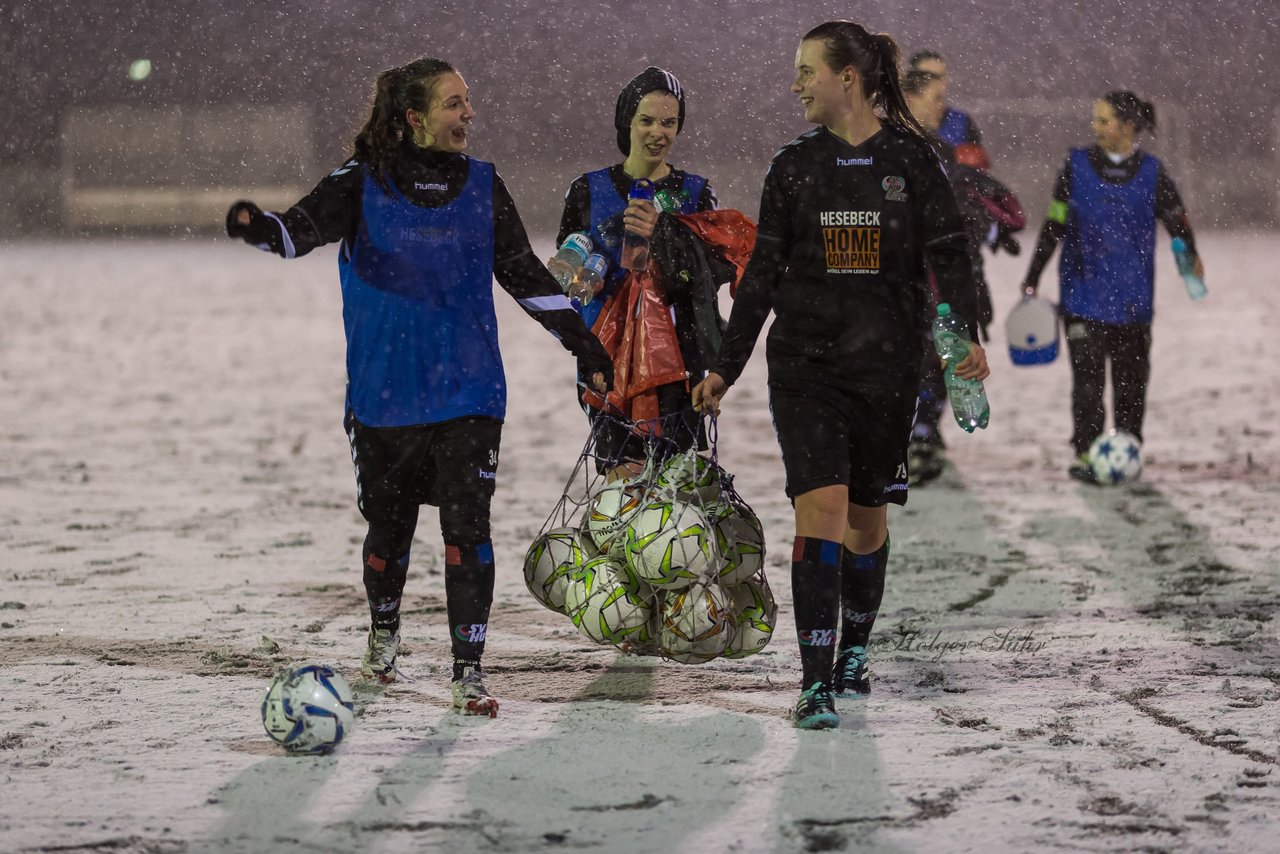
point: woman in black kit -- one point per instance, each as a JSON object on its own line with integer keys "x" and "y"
{"x": 848, "y": 214}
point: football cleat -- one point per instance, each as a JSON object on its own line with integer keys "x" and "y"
{"x": 851, "y": 673}
{"x": 1081, "y": 470}
{"x": 380, "y": 656}
{"x": 470, "y": 697}
{"x": 816, "y": 709}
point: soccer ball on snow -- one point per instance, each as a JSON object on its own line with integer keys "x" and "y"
{"x": 670, "y": 544}
{"x": 697, "y": 623}
{"x": 755, "y": 613}
{"x": 550, "y": 561}
{"x": 308, "y": 709}
{"x": 1115, "y": 457}
{"x": 607, "y": 604}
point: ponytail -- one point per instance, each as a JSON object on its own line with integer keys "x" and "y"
{"x": 397, "y": 90}
{"x": 1131, "y": 109}
{"x": 875, "y": 57}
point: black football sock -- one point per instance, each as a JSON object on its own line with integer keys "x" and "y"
{"x": 384, "y": 584}
{"x": 468, "y": 588}
{"x": 862, "y": 589}
{"x": 815, "y": 589}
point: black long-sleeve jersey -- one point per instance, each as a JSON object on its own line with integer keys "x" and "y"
{"x": 332, "y": 210}
{"x": 840, "y": 258}
{"x": 577, "y": 201}
{"x": 1169, "y": 209}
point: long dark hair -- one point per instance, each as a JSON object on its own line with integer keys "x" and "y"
{"x": 407, "y": 87}
{"x": 876, "y": 59}
{"x": 1133, "y": 110}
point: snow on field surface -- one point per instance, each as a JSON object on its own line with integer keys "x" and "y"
{"x": 1060, "y": 667}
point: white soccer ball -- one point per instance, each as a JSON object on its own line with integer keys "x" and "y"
{"x": 607, "y": 604}
{"x": 689, "y": 473}
{"x": 609, "y": 512}
{"x": 550, "y": 561}
{"x": 697, "y": 623}
{"x": 755, "y": 613}
{"x": 670, "y": 544}
{"x": 1115, "y": 457}
{"x": 739, "y": 541}
{"x": 308, "y": 709}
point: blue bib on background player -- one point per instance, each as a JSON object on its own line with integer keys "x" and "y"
{"x": 417, "y": 303}
{"x": 954, "y": 129}
{"x": 605, "y": 217}
{"x": 1107, "y": 267}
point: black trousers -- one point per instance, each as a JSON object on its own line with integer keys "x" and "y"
{"x": 1091, "y": 345}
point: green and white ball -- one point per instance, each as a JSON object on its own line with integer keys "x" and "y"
{"x": 550, "y": 562}
{"x": 697, "y": 623}
{"x": 755, "y": 613}
{"x": 671, "y": 544}
{"x": 609, "y": 512}
{"x": 739, "y": 541}
{"x": 606, "y": 603}
{"x": 689, "y": 473}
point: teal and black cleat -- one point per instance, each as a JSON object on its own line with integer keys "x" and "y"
{"x": 851, "y": 673}
{"x": 816, "y": 709}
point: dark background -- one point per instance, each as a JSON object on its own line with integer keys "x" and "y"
{"x": 544, "y": 78}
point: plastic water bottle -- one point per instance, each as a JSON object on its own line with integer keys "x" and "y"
{"x": 589, "y": 281}
{"x": 668, "y": 202}
{"x": 635, "y": 247}
{"x": 1196, "y": 288}
{"x": 968, "y": 397}
{"x": 573, "y": 252}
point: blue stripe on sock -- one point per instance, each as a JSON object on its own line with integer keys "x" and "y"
{"x": 484, "y": 553}
{"x": 830, "y": 554}
{"x": 876, "y": 560}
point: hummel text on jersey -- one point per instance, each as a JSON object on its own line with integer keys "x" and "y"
{"x": 854, "y": 161}
{"x": 849, "y": 218}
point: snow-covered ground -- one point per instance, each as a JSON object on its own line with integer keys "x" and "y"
{"x": 1061, "y": 667}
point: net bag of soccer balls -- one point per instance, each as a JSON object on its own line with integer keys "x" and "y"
{"x": 667, "y": 562}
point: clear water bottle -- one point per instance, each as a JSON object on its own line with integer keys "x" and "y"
{"x": 589, "y": 281}
{"x": 573, "y": 252}
{"x": 968, "y": 397}
{"x": 635, "y": 247}
{"x": 1196, "y": 288}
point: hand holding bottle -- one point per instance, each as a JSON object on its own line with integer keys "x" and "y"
{"x": 1190, "y": 268}
{"x": 639, "y": 219}
{"x": 964, "y": 368}
{"x": 565, "y": 264}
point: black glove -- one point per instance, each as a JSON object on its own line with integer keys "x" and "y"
{"x": 261, "y": 231}
{"x": 1007, "y": 242}
{"x": 589, "y": 366}
{"x": 234, "y": 227}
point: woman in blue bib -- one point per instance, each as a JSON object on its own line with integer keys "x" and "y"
{"x": 649, "y": 113}
{"x": 1106, "y": 202}
{"x": 423, "y": 231}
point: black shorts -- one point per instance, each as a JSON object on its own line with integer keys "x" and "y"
{"x": 455, "y": 462}
{"x": 853, "y": 438}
